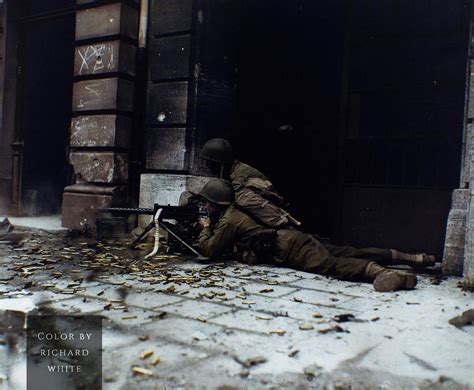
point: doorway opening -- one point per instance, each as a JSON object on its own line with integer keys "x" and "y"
{"x": 374, "y": 96}
{"x": 44, "y": 96}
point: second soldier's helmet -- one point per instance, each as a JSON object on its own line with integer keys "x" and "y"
{"x": 218, "y": 150}
{"x": 218, "y": 191}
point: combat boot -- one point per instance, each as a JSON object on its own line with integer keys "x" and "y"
{"x": 386, "y": 280}
{"x": 417, "y": 260}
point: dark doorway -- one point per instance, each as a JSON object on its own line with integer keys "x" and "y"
{"x": 375, "y": 95}
{"x": 290, "y": 74}
{"x": 44, "y": 102}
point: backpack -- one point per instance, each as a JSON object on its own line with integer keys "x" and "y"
{"x": 257, "y": 198}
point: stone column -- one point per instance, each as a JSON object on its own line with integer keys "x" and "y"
{"x": 459, "y": 245}
{"x": 468, "y": 173}
{"x": 103, "y": 96}
{"x": 192, "y": 76}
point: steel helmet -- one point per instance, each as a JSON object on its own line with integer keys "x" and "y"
{"x": 218, "y": 191}
{"x": 218, "y": 150}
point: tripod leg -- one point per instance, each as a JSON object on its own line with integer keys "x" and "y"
{"x": 150, "y": 226}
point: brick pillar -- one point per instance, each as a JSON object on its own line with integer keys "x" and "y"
{"x": 103, "y": 95}
{"x": 191, "y": 91}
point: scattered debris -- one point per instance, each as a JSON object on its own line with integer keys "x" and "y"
{"x": 436, "y": 279}
{"x": 146, "y": 354}
{"x": 293, "y": 352}
{"x": 156, "y": 360}
{"x": 312, "y": 370}
{"x": 297, "y": 299}
{"x": 420, "y": 362}
{"x": 306, "y": 327}
{"x": 466, "y": 318}
{"x": 265, "y": 318}
{"x": 279, "y": 332}
{"x": 199, "y": 336}
{"x": 244, "y": 373}
{"x": 317, "y": 315}
{"x": 344, "y": 317}
{"x": 251, "y": 361}
{"x": 335, "y": 328}
{"x": 266, "y": 290}
{"x": 142, "y": 371}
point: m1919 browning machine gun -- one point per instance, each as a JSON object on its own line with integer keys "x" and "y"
{"x": 182, "y": 214}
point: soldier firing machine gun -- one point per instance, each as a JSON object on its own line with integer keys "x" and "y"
{"x": 184, "y": 213}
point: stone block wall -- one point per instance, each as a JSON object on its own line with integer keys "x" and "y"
{"x": 191, "y": 90}
{"x": 468, "y": 172}
{"x": 103, "y": 98}
{"x": 459, "y": 245}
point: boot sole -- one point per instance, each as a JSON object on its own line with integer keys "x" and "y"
{"x": 393, "y": 281}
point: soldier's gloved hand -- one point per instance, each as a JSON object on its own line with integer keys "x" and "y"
{"x": 204, "y": 222}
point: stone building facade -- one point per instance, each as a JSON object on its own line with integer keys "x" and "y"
{"x": 141, "y": 106}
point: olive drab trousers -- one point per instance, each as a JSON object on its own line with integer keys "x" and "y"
{"x": 292, "y": 248}
{"x": 305, "y": 253}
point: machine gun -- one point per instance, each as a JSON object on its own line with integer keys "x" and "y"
{"x": 182, "y": 214}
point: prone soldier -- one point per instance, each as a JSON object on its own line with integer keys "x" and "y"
{"x": 229, "y": 226}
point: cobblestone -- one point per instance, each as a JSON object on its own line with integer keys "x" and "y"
{"x": 218, "y": 325}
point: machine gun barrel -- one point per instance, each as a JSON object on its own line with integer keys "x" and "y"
{"x": 169, "y": 212}
{"x": 125, "y": 210}
{"x": 182, "y": 213}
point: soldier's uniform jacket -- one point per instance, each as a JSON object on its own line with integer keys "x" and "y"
{"x": 237, "y": 228}
{"x": 241, "y": 172}
{"x": 291, "y": 248}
